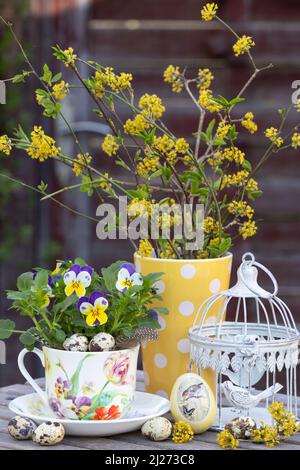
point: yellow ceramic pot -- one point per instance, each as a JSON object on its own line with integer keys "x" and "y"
{"x": 184, "y": 286}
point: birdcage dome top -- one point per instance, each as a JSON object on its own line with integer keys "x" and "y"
{"x": 258, "y": 318}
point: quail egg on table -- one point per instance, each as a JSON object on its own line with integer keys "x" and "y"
{"x": 76, "y": 342}
{"x": 241, "y": 427}
{"x": 102, "y": 342}
{"x": 157, "y": 429}
{"x": 48, "y": 434}
{"x": 21, "y": 428}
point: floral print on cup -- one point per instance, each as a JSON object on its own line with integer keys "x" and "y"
{"x": 74, "y": 396}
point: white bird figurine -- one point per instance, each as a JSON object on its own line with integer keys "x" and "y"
{"x": 242, "y": 399}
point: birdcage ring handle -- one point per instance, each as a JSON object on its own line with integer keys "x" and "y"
{"x": 249, "y": 260}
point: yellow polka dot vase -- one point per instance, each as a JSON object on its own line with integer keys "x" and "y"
{"x": 184, "y": 286}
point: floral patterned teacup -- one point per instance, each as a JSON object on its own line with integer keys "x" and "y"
{"x": 86, "y": 385}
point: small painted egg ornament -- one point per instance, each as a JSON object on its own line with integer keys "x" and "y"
{"x": 49, "y": 434}
{"x": 241, "y": 427}
{"x": 193, "y": 401}
{"x": 76, "y": 342}
{"x": 102, "y": 342}
{"x": 21, "y": 428}
{"x": 157, "y": 429}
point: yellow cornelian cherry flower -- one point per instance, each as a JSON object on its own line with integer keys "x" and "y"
{"x": 41, "y": 146}
{"x": 233, "y": 154}
{"x": 248, "y": 229}
{"x": 182, "y": 432}
{"x": 206, "y": 101}
{"x": 110, "y": 145}
{"x": 209, "y": 11}
{"x": 205, "y": 78}
{"x": 223, "y": 129}
{"x": 139, "y": 208}
{"x": 266, "y": 434}
{"x": 105, "y": 182}
{"x": 149, "y": 164}
{"x": 151, "y": 106}
{"x": 296, "y": 140}
{"x": 136, "y": 126}
{"x": 249, "y": 124}
{"x": 60, "y": 90}
{"x": 181, "y": 145}
{"x": 81, "y": 163}
{"x": 208, "y": 225}
{"x": 226, "y": 440}
{"x": 5, "y": 144}
{"x": 145, "y": 248}
{"x": 273, "y": 134}
{"x": 70, "y": 57}
{"x": 173, "y": 76}
{"x": 166, "y": 147}
{"x": 297, "y": 106}
{"x": 243, "y": 45}
{"x": 241, "y": 178}
{"x": 240, "y": 208}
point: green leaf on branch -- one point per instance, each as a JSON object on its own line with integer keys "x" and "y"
{"x": 28, "y": 340}
{"x": 41, "y": 279}
{"x": 25, "y": 281}
{"x": 47, "y": 75}
{"x": 7, "y": 328}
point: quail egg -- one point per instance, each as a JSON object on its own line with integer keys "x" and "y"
{"x": 21, "y": 428}
{"x": 102, "y": 342}
{"x": 241, "y": 427}
{"x": 49, "y": 434}
{"x": 157, "y": 429}
{"x": 76, "y": 342}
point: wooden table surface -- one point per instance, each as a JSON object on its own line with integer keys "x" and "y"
{"x": 128, "y": 442}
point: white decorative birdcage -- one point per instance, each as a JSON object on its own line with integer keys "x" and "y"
{"x": 259, "y": 347}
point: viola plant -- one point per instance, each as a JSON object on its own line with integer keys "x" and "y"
{"x": 209, "y": 167}
{"x": 74, "y": 299}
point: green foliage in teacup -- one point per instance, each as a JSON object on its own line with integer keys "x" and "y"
{"x": 74, "y": 298}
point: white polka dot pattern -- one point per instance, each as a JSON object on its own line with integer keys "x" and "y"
{"x": 183, "y": 345}
{"x": 162, "y": 323}
{"x": 188, "y": 271}
{"x": 215, "y": 286}
{"x": 160, "y": 360}
{"x": 160, "y": 286}
{"x": 186, "y": 308}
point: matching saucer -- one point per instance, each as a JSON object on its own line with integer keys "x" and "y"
{"x": 145, "y": 406}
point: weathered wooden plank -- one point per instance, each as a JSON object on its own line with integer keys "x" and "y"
{"x": 9, "y": 443}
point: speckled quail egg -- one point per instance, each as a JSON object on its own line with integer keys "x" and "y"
{"x": 157, "y": 429}
{"x": 241, "y": 427}
{"x": 49, "y": 434}
{"x": 76, "y": 342}
{"x": 21, "y": 428}
{"x": 102, "y": 342}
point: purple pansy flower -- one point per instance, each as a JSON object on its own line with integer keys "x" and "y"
{"x": 153, "y": 314}
{"x": 81, "y": 406}
{"x": 77, "y": 279}
{"x": 94, "y": 308}
{"x": 62, "y": 387}
{"x": 128, "y": 277}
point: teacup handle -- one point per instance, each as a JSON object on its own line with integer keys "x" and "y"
{"x": 26, "y": 374}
